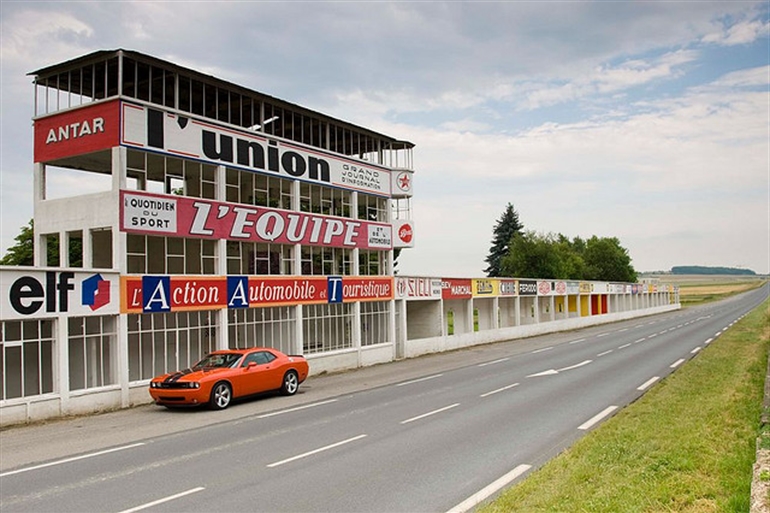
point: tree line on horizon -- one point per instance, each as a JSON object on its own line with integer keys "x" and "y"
{"x": 516, "y": 252}
{"x": 700, "y": 269}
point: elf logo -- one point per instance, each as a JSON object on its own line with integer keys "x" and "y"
{"x": 95, "y": 292}
{"x": 28, "y": 294}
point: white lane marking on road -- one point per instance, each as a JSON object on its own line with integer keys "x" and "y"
{"x": 605, "y": 353}
{"x": 315, "y": 451}
{"x": 695, "y": 350}
{"x": 549, "y": 372}
{"x": 68, "y": 460}
{"x": 596, "y": 418}
{"x": 542, "y": 350}
{"x": 578, "y": 341}
{"x": 419, "y": 380}
{"x": 434, "y": 412}
{"x": 662, "y": 332}
{"x": 640, "y": 340}
{"x": 625, "y": 346}
{"x": 298, "y": 408}
{"x": 480, "y": 496}
{"x": 499, "y": 390}
{"x": 708, "y": 341}
{"x": 584, "y": 362}
{"x": 600, "y": 335}
{"x": 677, "y": 363}
{"x": 647, "y": 384}
{"x": 622, "y": 330}
{"x": 653, "y": 335}
{"x": 165, "y": 499}
{"x": 494, "y": 362}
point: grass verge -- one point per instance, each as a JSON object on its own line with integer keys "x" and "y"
{"x": 687, "y": 445}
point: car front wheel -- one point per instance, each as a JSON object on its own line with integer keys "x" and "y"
{"x": 290, "y": 383}
{"x": 221, "y": 395}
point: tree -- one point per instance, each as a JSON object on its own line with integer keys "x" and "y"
{"x": 607, "y": 260}
{"x": 507, "y": 226}
{"x": 531, "y": 256}
{"x": 552, "y": 256}
{"x": 23, "y": 253}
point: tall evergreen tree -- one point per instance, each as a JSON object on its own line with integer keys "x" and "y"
{"x": 507, "y": 226}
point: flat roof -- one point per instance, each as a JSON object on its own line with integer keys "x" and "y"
{"x": 41, "y": 75}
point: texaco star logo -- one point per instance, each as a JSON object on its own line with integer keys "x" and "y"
{"x": 404, "y": 182}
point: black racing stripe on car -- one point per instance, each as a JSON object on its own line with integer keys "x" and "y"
{"x": 175, "y": 377}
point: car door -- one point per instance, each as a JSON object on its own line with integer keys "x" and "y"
{"x": 262, "y": 372}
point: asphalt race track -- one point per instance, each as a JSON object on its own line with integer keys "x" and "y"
{"x": 437, "y": 433}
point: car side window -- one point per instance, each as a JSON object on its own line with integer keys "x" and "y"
{"x": 260, "y": 357}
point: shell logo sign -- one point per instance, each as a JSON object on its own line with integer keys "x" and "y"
{"x": 404, "y": 230}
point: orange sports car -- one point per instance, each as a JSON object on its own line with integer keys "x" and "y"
{"x": 225, "y": 375}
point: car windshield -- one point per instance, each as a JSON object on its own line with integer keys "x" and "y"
{"x": 218, "y": 360}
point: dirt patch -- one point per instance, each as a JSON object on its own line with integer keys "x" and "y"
{"x": 760, "y": 484}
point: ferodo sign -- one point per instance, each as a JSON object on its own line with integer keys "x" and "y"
{"x": 186, "y": 136}
{"x": 36, "y": 294}
{"x": 182, "y": 216}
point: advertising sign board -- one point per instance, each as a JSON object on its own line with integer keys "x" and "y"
{"x": 34, "y": 293}
{"x": 206, "y": 140}
{"x": 182, "y": 216}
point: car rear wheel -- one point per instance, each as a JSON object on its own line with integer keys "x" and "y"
{"x": 221, "y": 395}
{"x": 290, "y": 383}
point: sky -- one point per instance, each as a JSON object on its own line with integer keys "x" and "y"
{"x": 648, "y": 121}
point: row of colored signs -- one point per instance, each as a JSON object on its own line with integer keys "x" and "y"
{"x": 466, "y": 288}
{"x": 32, "y": 293}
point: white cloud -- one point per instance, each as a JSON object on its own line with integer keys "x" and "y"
{"x": 741, "y": 33}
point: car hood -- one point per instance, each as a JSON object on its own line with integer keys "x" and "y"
{"x": 190, "y": 375}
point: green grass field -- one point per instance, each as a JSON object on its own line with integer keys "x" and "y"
{"x": 688, "y": 445}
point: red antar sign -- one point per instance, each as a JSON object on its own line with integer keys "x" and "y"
{"x": 77, "y": 132}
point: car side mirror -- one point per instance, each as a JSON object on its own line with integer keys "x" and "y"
{"x": 252, "y": 364}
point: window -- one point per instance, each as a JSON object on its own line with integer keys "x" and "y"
{"x": 165, "y": 342}
{"x": 91, "y": 343}
{"x": 257, "y": 189}
{"x": 375, "y": 323}
{"x": 372, "y": 263}
{"x": 148, "y": 254}
{"x": 26, "y": 358}
{"x": 328, "y": 201}
{"x": 259, "y": 357}
{"x": 168, "y": 175}
{"x": 259, "y": 258}
{"x": 262, "y": 327}
{"x": 372, "y": 208}
{"x": 326, "y": 260}
{"x": 326, "y": 327}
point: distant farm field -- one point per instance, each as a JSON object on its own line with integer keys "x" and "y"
{"x": 698, "y": 288}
